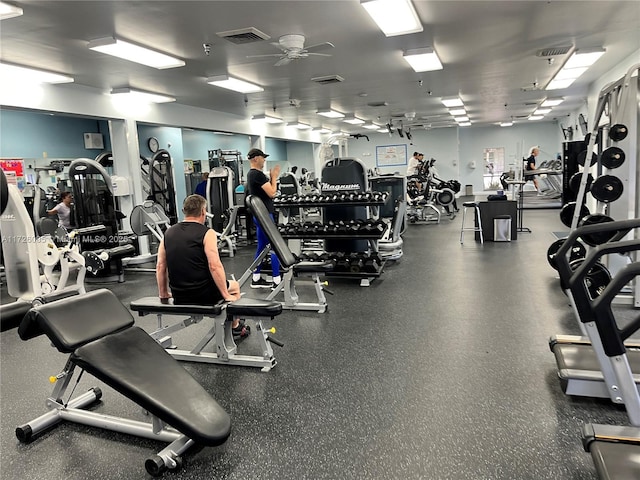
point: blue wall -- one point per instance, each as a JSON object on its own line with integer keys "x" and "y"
{"x": 29, "y": 135}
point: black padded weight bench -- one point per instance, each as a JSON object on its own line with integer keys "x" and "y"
{"x": 225, "y": 346}
{"x": 289, "y": 264}
{"x": 98, "y": 333}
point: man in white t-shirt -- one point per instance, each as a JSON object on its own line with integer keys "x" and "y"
{"x": 63, "y": 210}
{"x": 412, "y": 168}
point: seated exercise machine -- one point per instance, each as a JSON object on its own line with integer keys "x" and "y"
{"x": 291, "y": 267}
{"x": 390, "y": 245}
{"x": 221, "y": 332}
{"x": 95, "y": 205}
{"x": 147, "y": 219}
{"x": 582, "y": 364}
{"x": 222, "y": 212}
{"x": 99, "y": 334}
{"x": 25, "y": 253}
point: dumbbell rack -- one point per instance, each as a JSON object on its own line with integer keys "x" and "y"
{"x": 340, "y": 200}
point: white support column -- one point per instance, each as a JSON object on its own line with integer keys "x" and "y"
{"x": 126, "y": 163}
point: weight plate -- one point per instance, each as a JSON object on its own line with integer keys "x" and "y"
{"x": 47, "y": 251}
{"x": 566, "y": 214}
{"x": 599, "y": 238}
{"x": 577, "y": 251}
{"x": 618, "y": 132}
{"x": 596, "y": 279}
{"x": 607, "y": 188}
{"x": 583, "y": 155}
{"x": 574, "y": 182}
{"x": 613, "y": 157}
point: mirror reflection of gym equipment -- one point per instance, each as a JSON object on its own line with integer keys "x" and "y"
{"x": 95, "y": 204}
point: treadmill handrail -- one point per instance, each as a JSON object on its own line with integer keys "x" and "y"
{"x": 622, "y": 226}
{"x": 597, "y": 253}
{"x": 612, "y": 336}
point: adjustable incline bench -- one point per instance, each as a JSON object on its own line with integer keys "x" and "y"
{"x": 98, "y": 333}
{"x": 290, "y": 265}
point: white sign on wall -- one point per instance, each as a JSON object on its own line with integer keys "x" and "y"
{"x": 391, "y": 155}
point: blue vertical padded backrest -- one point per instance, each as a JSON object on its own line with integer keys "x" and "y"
{"x": 278, "y": 244}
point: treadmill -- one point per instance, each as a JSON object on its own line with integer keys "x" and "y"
{"x": 583, "y": 368}
{"x": 616, "y": 449}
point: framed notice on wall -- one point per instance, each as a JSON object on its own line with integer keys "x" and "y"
{"x": 391, "y": 155}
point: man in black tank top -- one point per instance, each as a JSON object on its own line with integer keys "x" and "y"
{"x": 189, "y": 267}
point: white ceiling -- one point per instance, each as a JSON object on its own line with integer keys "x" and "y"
{"x": 488, "y": 50}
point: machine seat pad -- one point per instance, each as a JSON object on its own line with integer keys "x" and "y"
{"x": 135, "y": 365}
{"x": 310, "y": 267}
{"x": 252, "y": 307}
{"x": 74, "y": 321}
{"x": 12, "y": 313}
{"x": 149, "y": 305}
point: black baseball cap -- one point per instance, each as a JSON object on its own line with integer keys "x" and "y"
{"x": 256, "y": 152}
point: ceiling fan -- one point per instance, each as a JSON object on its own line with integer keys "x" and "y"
{"x": 293, "y": 48}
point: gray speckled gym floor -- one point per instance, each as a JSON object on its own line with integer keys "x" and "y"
{"x": 439, "y": 370}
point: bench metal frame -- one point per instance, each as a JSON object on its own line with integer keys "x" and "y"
{"x": 225, "y": 346}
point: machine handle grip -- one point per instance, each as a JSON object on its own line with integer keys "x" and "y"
{"x": 273, "y": 340}
{"x": 88, "y": 230}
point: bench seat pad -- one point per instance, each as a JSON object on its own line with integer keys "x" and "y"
{"x": 253, "y": 307}
{"x": 148, "y": 305}
{"x": 135, "y": 365}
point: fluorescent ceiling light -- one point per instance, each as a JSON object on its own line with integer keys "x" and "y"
{"x": 576, "y": 65}
{"x": 552, "y": 102}
{"x": 536, "y": 117}
{"x": 299, "y": 125}
{"x": 135, "y": 53}
{"x": 542, "y": 111}
{"x": 452, "y": 102}
{"x": 330, "y": 113}
{"x": 371, "y": 126}
{"x": 461, "y": 119}
{"x": 423, "y": 59}
{"x": 267, "y": 118}
{"x": 235, "y": 84}
{"x": 506, "y": 124}
{"x": 560, "y": 84}
{"x": 24, "y": 74}
{"x": 464, "y": 124}
{"x": 456, "y": 112}
{"x": 321, "y": 130}
{"x": 570, "y": 73}
{"x": 9, "y": 11}
{"x": 394, "y": 17}
{"x": 584, "y": 58}
{"x": 353, "y": 120}
{"x": 139, "y": 95}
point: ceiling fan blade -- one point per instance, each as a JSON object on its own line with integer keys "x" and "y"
{"x": 318, "y": 54}
{"x": 265, "y": 55}
{"x": 320, "y": 46}
{"x": 282, "y": 61}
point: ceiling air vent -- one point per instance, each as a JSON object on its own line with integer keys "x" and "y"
{"x": 244, "y": 35}
{"x": 328, "y": 79}
{"x": 377, "y": 104}
{"x": 552, "y": 52}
